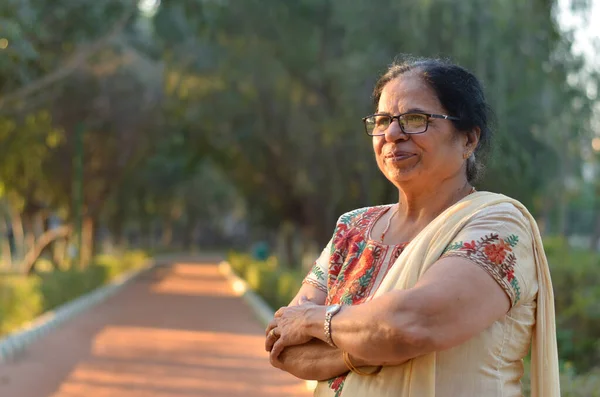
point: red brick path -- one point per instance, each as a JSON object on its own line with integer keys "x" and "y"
{"x": 176, "y": 331}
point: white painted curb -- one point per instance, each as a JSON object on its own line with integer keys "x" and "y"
{"x": 264, "y": 312}
{"x": 17, "y": 342}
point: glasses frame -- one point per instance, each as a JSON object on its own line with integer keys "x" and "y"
{"x": 397, "y": 117}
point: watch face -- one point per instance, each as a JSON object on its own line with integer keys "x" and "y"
{"x": 333, "y": 309}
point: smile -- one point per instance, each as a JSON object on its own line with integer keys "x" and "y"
{"x": 398, "y": 156}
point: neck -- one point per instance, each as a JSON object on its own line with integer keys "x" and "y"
{"x": 424, "y": 203}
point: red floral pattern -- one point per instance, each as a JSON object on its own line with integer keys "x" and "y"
{"x": 496, "y": 253}
{"x": 496, "y": 256}
{"x": 336, "y": 384}
{"x": 355, "y": 264}
{"x": 355, "y": 261}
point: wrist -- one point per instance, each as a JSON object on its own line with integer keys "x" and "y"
{"x": 358, "y": 362}
{"x": 316, "y": 319}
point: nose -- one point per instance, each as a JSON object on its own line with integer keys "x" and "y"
{"x": 394, "y": 132}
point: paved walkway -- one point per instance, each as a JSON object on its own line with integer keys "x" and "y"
{"x": 176, "y": 331}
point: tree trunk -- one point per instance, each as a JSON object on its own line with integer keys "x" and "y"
{"x": 595, "y": 239}
{"x": 286, "y": 252}
{"x": 188, "y": 232}
{"x": 28, "y": 263}
{"x": 87, "y": 241}
{"x": 59, "y": 252}
{"x": 117, "y": 232}
{"x": 18, "y": 235}
{"x": 5, "y": 243}
{"x": 167, "y": 233}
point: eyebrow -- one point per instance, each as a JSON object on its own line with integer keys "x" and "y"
{"x": 411, "y": 110}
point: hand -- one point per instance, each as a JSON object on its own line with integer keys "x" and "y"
{"x": 290, "y": 326}
{"x": 272, "y": 333}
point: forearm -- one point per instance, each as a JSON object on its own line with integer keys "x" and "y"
{"x": 385, "y": 331}
{"x": 315, "y": 360}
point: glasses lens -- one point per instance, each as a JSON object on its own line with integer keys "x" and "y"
{"x": 377, "y": 124}
{"x": 413, "y": 123}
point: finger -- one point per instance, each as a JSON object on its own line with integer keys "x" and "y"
{"x": 271, "y": 339}
{"x": 271, "y": 325}
{"x": 277, "y": 349}
{"x": 269, "y": 342}
{"x": 280, "y": 311}
{"x": 275, "y": 362}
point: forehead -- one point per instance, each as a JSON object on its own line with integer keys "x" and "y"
{"x": 406, "y": 92}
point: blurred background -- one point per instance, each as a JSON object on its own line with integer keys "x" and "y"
{"x": 131, "y": 127}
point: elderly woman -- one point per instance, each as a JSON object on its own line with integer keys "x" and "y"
{"x": 440, "y": 294}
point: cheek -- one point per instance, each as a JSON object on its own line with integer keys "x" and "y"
{"x": 437, "y": 146}
{"x": 377, "y": 145}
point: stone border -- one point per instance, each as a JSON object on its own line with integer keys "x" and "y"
{"x": 263, "y": 311}
{"x": 15, "y": 343}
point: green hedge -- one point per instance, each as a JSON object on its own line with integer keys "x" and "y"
{"x": 576, "y": 282}
{"x": 275, "y": 285}
{"x": 20, "y": 301}
{"x": 23, "y": 298}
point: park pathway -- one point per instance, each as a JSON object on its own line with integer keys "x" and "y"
{"x": 178, "y": 330}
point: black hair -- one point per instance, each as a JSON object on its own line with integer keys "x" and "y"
{"x": 459, "y": 92}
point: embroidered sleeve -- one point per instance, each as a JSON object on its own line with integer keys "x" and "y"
{"x": 499, "y": 241}
{"x": 317, "y": 276}
{"x": 329, "y": 262}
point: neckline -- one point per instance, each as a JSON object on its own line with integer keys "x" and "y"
{"x": 389, "y": 206}
{"x": 372, "y": 224}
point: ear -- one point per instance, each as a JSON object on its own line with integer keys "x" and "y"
{"x": 472, "y": 140}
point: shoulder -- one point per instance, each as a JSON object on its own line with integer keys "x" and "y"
{"x": 499, "y": 238}
{"x": 357, "y": 222}
{"x": 350, "y": 218}
{"x": 501, "y": 222}
{"x": 499, "y": 205}
{"x": 504, "y": 211}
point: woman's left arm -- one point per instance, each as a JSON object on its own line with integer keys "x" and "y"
{"x": 454, "y": 301}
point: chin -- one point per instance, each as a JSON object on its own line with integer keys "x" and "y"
{"x": 400, "y": 174}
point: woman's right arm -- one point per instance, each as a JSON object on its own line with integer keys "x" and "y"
{"x": 315, "y": 360}
{"x": 310, "y": 293}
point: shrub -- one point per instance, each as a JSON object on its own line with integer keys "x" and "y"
{"x": 59, "y": 287}
{"x": 22, "y": 298}
{"x": 20, "y": 301}
{"x": 275, "y": 285}
{"x": 576, "y": 283}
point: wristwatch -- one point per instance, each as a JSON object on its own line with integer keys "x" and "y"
{"x": 331, "y": 311}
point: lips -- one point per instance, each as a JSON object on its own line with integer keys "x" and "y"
{"x": 398, "y": 155}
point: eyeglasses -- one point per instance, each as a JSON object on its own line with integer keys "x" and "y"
{"x": 410, "y": 123}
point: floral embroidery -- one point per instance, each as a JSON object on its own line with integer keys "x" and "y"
{"x": 355, "y": 264}
{"x": 496, "y": 256}
{"x": 336, "y": 384}
{"x": 349, "y": 243}
{"x": 315, "y": 284}
{"x": 356, "y": 277}
{"x": 496, "y": 252}
{"x": 316, "y": 270}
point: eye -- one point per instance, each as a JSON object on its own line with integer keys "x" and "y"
{"x": 414, "y": 122}
{"x": 382, "y": 121}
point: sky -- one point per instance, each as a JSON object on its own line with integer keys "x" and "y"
{"x": 586, "y": 29}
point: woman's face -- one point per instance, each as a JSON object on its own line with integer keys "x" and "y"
{"x": 419, "y": 159}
